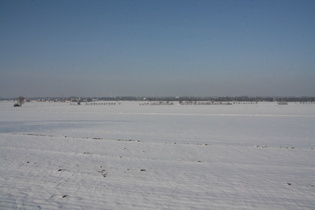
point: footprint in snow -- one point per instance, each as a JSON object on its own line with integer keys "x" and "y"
{"x": 103, "y": 172}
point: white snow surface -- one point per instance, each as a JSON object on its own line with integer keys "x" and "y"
{"x": 128, "y": 156}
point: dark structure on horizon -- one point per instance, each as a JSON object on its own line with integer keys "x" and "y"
{"x": 20, "y": 101}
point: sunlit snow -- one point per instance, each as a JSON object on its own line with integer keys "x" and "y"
{"x": 129, "y": 156}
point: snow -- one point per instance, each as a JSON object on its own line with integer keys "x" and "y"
{"x": 128, "y": 156}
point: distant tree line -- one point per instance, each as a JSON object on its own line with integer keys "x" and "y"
{"x": 236, "y": 98}
{"x": 177, "y": 98}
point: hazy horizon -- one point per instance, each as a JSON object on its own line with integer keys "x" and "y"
{"x": 157, "y": 48}
{"x": 237, "y": 98}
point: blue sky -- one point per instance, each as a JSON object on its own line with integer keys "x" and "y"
{"x": 157, "y": 48}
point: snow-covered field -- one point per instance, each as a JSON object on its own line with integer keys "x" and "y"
{"x": 128, "y": 156}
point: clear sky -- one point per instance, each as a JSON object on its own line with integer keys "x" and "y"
{"x": 157, "y": 48}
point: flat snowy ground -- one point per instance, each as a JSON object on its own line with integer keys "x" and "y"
{"x": 128, "y": 156}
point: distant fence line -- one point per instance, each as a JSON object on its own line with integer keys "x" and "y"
{"x": 180, "y": 102}
{"x": 307, "y": 102}
{"x": 156, "y": 103}
{"x": 249, "y": 102}
{"x": 97, "y": 103}
{"x": 204, "y": 103}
